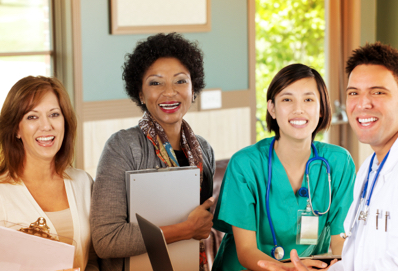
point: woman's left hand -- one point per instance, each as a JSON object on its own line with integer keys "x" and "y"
{"x": 200, "y": 220}
{"x": 197, "y": 226}
{"x": 273, "y": 266}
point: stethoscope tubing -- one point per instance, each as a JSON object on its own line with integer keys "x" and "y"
{"x": 268, "y": 189}
{"x": 307, "y": 166}
{"x": 316, "y": 213}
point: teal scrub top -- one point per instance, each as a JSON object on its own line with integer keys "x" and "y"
{"x": 242, "y": 201}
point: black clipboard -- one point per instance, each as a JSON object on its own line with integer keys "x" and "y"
{"x": 324, "y": 258}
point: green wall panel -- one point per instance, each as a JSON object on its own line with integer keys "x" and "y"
{"x": 225, "y": 48}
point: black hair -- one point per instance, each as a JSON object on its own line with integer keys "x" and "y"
{"x": 287, "y": 76}
{"x": 157, "y": 46}
{"x": 374, "y": 54}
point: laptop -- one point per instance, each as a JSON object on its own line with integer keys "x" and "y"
{"x": 155, "y": 245}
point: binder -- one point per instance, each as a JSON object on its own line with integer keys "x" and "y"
{"x": 165, "y": 196}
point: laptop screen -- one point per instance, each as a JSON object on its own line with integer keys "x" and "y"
{"x": 155, "y": 245}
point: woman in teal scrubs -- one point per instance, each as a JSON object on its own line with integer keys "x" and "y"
{"x": 298, "y": 108}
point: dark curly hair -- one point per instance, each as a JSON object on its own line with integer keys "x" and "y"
{"x": 287, "y": 76}
{"x": 157, "y": 46}
{"x": 374, "y": 54}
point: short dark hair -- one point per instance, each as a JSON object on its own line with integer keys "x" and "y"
{"x": 374, "y": 54}
{"x": 22, "y": 98}
{"x": 287, "y": 76}
{"x": 157, "y": 46}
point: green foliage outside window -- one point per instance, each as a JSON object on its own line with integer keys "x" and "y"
{"x": 289, "y": 31}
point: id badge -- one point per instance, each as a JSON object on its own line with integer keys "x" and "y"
{"x": 307, "y": 228}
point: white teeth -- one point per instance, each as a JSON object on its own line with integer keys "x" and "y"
{"x": 165, "y": 105}
{"x": 367, "y": 122}
{"x": 298, "y": 122}
{"x": 48, "y": 138}
{"x": 170, "y": 106}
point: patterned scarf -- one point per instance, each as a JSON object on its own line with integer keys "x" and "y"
{"x": 189, "y": 144}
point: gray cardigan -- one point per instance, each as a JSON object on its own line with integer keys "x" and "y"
{"x": 113, "y": 237}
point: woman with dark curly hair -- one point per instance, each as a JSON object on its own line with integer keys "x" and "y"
{"x": 163, "y": 76}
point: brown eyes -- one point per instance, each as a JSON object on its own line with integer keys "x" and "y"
{"x": 53, "y": 115}
{"x": 154, "y": 83}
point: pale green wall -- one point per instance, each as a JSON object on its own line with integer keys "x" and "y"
{"x": 225, "y": 48}
{"x": 387, "y": 22}
{"x": 368, "y": 21}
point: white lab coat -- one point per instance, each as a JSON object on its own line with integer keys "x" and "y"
{"x": 368, "y": 248}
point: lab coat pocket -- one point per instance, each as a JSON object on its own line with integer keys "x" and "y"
{"x": 377, "y": 233}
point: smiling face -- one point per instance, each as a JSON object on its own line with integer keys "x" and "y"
{"x": 42, "y": 129}
{"x": 167, "y": 91}
{"x": 372, "y": 106}
{"x": 297, "y": 109}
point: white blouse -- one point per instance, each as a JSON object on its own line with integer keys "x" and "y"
{"x": 63, "y": 223}
{"x": 17, "y": 205}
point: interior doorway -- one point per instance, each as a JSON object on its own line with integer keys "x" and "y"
{"x": 291, "y": 31}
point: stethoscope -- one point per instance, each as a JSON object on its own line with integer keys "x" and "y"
{"x": 277, "y": 251}
{"x": 362, "y": 215}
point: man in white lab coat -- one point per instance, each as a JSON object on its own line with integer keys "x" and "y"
{"x": 372, "y": 109}
{"x": 371, "y": 227}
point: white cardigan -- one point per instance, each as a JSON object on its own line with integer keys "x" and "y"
{"x": 18, "y": 206}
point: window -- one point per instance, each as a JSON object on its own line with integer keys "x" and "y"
{"x": 287, "y": 32}
{"x": 26, "y": 41}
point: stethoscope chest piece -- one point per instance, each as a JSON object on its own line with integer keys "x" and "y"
{"x": 303, "y": 192}
{"x": 278, "y": 252}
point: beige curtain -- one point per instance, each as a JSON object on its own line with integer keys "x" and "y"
{"x": 343, "y": 20}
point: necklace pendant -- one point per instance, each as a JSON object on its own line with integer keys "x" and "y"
{"x": 363, "y": 215}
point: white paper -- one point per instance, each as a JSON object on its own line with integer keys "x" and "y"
{"x": 161, "y": 12}
{"x": 24, "y": 252}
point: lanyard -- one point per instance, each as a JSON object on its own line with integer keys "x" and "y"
{"x": 374, "y": 179}
{"x": 362, "y": 215}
